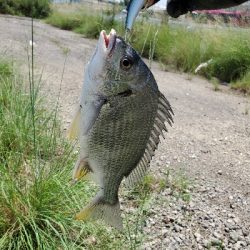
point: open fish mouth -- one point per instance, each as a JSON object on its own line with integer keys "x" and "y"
{"x": 108, "y": 41}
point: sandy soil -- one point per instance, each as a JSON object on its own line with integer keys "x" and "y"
{"x": 209, "y": 142}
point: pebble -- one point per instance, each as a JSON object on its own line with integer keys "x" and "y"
{"x": 197, "y": 237}
{"x": 233, "y": 236}
{"x": 197, "y": 224}
{"x": 219, "y": 172}
{"x": 217, "y": 235}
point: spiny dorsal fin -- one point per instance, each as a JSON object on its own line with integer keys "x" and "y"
{"x": 164, "y": 114}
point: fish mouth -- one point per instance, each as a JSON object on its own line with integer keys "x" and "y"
{"x": 108, "y": 41}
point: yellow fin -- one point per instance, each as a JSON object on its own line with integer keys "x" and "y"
{"x": 74, "y": 129}
{"x": 81, "y": 169}
{"x": 99, "y": 210}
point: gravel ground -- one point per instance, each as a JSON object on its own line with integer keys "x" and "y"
{"x": 209, "y": 143}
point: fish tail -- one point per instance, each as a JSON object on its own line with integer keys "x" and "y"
{"x": 98, "y": 209}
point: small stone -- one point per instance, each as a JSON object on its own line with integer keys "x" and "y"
{"x": 239, "y": 245}
{"x": 236, "y": 220}
{"x": 91, "y": 240}
{"x": 232, "y": 206}
{"x": 205, "y": 243}
{"x": 231, "y": 215}
{"x": 212, "y": 224}
{"x": 197, "y": 237}
{"x": 162, "y": 157}
{"x": 219, "y": 172}
{"x": 245, "y": 232}
{"x": 230, "y": 221}
{"x": 193, "y": 156}
{"x": 217, "y": 235}
{"x": 200, "y": 247}
{"x": 158, "y": 163}
{"x": 233, "y": 236}
{"x": 177, "y": 228}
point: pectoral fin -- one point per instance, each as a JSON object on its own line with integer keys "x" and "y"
{"x": 92, "y": 112}
{"x": 74, "y": 130}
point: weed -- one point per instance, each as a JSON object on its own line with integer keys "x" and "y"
{"x": 243, "y": 84}
{"x": 216, "y": 244}
{"x": 216, "y": 84}
{"x": 179, "y": 185}
{"x": 65, "y": 50}
{"x": 35, "y": 8}
{"x": 37, "y": 202}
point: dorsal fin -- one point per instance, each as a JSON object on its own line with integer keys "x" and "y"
{"x": 164, "y": 114}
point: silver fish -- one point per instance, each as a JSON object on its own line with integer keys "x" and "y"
{"x": 119, "y": 122}
{"x": 133, "y": 10}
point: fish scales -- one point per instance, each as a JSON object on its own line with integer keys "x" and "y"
{"x": 123, "y": 135}
{"x": 121, "y": 117}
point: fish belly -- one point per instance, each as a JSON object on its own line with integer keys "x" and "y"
{"x": 118, "y": 139}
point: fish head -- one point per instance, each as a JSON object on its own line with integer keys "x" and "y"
{"x": 118, "y": 66}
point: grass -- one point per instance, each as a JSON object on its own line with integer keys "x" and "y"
{"x": 37, "y": 201}
{"x": 83, "y": 23}
{"x": 243, "y": 84}
{"x": 39, "y": 8}
{"x": 177, "y": 48}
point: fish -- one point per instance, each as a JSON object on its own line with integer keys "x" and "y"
{"x": 119, "y": 122}
{"x": 133, "y": 10}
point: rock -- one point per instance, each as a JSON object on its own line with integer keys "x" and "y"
{"x": 217, "y": 235}
{"x": 177, "y": 228}
{"x": 236, "y": 220}
{"x": 233, "y": 236}
{"x": 197, "y": 237}
{"x": 239, "y": 245}
{"x": 245, "y": 232}
{"x": 91, "y": 240}
{"x": 219, "y": 172}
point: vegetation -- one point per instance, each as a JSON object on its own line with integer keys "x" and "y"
{"x": 175, "y": 47}
{"x": 37, "y": 201}
{"x": 35, "y": 8}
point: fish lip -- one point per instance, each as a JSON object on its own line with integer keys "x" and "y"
{"x": 108, "y": 41}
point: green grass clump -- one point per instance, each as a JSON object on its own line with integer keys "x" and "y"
{"x": 243, "y": 84}
{"x": 83, "y": 23}
{"x": 35, "y": 208}
{"x": 233, "y": 59}
{"x": 37, "y": 201}
{"x": 175, "y": 47}
{"x": 37, "y": 8}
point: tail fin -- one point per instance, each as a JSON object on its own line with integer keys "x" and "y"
{"x": 98, "y": 209}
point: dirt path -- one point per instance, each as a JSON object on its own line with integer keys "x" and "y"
{"x": 209, "y": 142}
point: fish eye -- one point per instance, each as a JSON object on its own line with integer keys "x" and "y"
{"x": 126, "y": 63}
